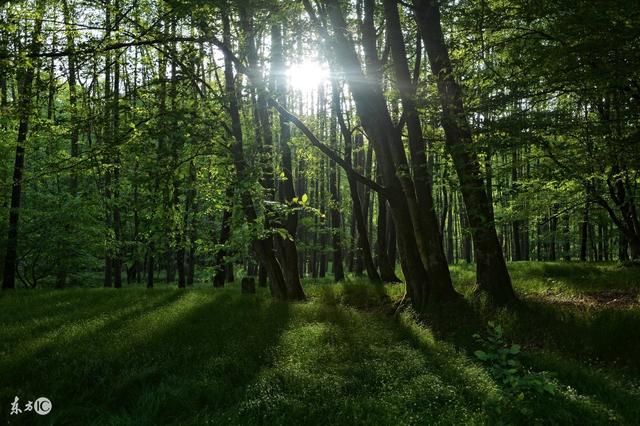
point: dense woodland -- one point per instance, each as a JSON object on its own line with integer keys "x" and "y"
{"x": 344, "y": 212}
{"x": 153, "y": 141}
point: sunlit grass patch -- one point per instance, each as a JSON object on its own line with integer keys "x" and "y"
{"x": 344, "y": 357}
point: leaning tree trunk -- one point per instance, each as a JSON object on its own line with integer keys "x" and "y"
{"x": 492, "y": 277}
{"x": 372, "y": 109}
{"x": 427, "y": 219}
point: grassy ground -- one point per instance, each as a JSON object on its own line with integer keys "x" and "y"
{"x": 207, "y": 356}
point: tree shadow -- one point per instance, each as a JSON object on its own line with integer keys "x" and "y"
{"x": 338, "y": 365}
{"x": 35, "y": 354}
{"x": 190, "y": 359}
{"x": 50, "y": 311}
{"x": 570, "y": 343}
{"x": 609, "y": 335}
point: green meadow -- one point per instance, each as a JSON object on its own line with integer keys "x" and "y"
{"x": 351, "y": 354}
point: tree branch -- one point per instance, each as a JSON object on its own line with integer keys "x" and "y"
{"x": 326, "y": 150}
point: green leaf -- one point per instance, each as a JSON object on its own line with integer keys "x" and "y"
{"x": 481, "y": 355}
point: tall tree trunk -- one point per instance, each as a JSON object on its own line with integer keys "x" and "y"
{"x": 220, "y": 262}
{"x": 450, "y": 225}
{"x": 623, "y": 245}
{"x": 392, "y": 245}
{"x": 516, "y": 243}
{"x": 107, "y": 135}
{"x": 387, "y": 272}
{"x": 464, "y": 230}
{"x": 584, "y": 233}
{"x": 359, "y": 220}
{"x": 263, "y": 247}
{"x": 334, "y": 204}
{"x": 117, "y": 225}
{"x": 286, "y": 247}
{"x": 150, "y": 266}
{"x": 26, "y": 74}
{"x": 358, "y": 165}
{"x": 566, "y": 247}
{"x": 554, "y": 233}
{"x": 492, "y": 276}
{"x": 371, "y": 107}
{"x": 426, "y": 220}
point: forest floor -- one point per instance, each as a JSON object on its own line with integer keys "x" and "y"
{"x": 206, "y": 356}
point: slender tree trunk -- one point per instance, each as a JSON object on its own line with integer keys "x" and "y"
{"x": 334, "y": 205}
{"x": 567, "y": 239}
{"x": 107, "y": 134}
{"x": 553, "y": 224}
{"x": 425, "y": 219}
{"x": 387, "y": 272}
{"x": 516, "y": 244}
{"x": 392, "y": 245}
{"x": 359, "y": 220}
{"x": 117, "y": 223}
{"x": 25, "y": 80}
{"x": 371, "y": 107}
{"x": 584, "y": 234}
{"x": 222, "y": 264}
{"x": 150, "y": 266}
{"x": 262, "y": 247}
{"x": 286, "y": 247}
{"x": 450, "y": 243}
{"x": 623, "y": 245}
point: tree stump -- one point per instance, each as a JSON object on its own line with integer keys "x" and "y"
{"x": 248, "y": 285}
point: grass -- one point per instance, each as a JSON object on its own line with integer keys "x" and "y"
{"x": 206, "y": 356}
{"x": 561, "y": 278}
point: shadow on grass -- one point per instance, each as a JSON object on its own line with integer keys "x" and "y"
{"x": 567, "y": 277}
{"x": 594, "y": 334}
{"x": 51, "y": 313}
{"x": 341, "y": 366}
{"x": 579, "y": 347}
{"x": 185, "y": 358}
{"x": 216, "y": 357}
{"x": 358, "y": 293}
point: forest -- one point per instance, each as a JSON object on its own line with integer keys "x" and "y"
{"x": 376, "y": 212}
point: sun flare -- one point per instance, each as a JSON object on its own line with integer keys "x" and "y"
{"x": 307, "y": 75}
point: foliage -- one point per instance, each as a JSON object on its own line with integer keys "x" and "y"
{"x": 503, "y": 364}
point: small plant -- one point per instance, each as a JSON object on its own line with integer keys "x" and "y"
{"x": 502, "y": 359}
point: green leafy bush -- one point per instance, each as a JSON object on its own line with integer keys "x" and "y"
{"x": 503, "y": 364}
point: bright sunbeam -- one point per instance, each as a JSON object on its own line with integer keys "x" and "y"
{"x": 307, "y": 75}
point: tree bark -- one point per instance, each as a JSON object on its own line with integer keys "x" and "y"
{"x": 25, "y": 79}
{"x": 492, "y": 277}
{"x": 263, "y": 247}
{"x": 334, "y": 206}
{"x": 371, "y": 107}
{"x": 426, "y": 219}
{"x": 584, "y": 233}
{"x": 286, "y": 247}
